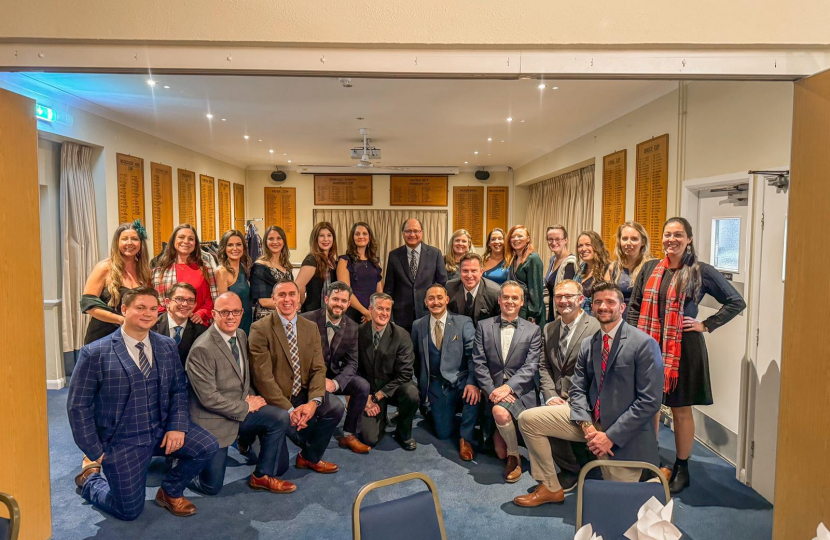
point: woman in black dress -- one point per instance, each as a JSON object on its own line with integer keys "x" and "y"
{"x": 664, "y": 304}
{"x": 273, "y": 266}
{"x": 318, "y": 267}
{"x": 360, "y": 269}
{"x": 127, "y": 267}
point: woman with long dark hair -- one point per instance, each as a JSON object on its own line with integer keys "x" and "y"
{"x": 318, "y": 267}
{"x": 273, "y": 266}
{"x": 664, "y": 304}
{"x": 493, "y": 257}
{"x": 525, "y": 266}
{"x": 126, "y": 268}
{"x": 595, "y": 259}
{"x": 360, "y": 269}
{"x": 561, "y": 266}
{"x": 183, "y": 261}
{"x": 233, "y": 273}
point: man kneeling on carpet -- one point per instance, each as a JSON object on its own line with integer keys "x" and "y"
{"x": 223, "y": 402}
{"x": 127, "y": 403}
{"x": 617, "y": 388}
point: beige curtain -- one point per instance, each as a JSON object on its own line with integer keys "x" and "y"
{"x": 79, "y": 238}
{"x": 566, "y": 200}
{"x": 386, "y": 225}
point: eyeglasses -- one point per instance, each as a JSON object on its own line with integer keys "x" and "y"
{"x": 412, "y": 231}
{"x": 555, "y": 240}
{"x": 567, "y": 297}
{"x": 226, "y": 314}
{"x": 184, "y": 301}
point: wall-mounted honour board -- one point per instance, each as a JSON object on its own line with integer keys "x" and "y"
{"x": 130, "y": 172}
{"x": 281, "y": 210}
{"x": 613, "y": 195}
{"x": 187, "y": 197}
{"x": 468, "y": 211}
{"x": 418, "y": 190}
{"x": 497, "y": 200}
{"x": 161, "y": 182}
{"x": 651, "y": 190}
{"x": 343, "y": 190}
{"x": 207, "y": 204}
{"x": 239, "y": 207}
{"x": 224, "y": 206}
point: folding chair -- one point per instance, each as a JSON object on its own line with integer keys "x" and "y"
{"x": 414, "y": 517}
{"x": 611, "y": 507}
{"x": 10, "y": 526}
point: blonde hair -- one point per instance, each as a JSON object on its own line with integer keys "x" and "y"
{"x": 615, "y": 269}
{"x": 116, "y": 272}
{"x": 449, "y": 257}
{"x": 509, "y": 254}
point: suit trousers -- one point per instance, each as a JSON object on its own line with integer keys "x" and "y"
{"x": 444, "y": 400}
{"x": 125, "y": 466}
{"x": 270, "y": 423}
{"x": 358, "y": 389}
{"x": 314, "y": 438}
{"x": 406, "y": 398}
{"x": 539, "y": 423}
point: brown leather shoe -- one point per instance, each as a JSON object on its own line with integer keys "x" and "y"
{"x": 322, "y": 467}
{"x": 352, "y": 443}
{"x": 513, "y": 469}
{"x": 178, "y": 506}
{"x": 541, "y": 495}
{"x": 666, "y": 472}
{"x": 272, "y": 484}
{"x": 88, "y": 467}
{"x": 465, "y": 451}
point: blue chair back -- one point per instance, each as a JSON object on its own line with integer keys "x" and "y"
{"x": 413, "y": 517}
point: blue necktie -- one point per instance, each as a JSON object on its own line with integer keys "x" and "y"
{"x": 143, "y": 361}
{"x": 178, "y": 337}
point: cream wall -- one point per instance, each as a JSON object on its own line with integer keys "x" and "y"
{"x": 259, "y": 180}
{"x": 427, "y": 22}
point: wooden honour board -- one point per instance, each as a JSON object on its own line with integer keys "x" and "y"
{"x": 161, "y": 181}
{"x": 613, "y": 195}
{"x": 224, "y": 206}
{"x": 239, "y": 207}
{"x": 651, "y": 189}
{"x": 207, "y": 204}
{"x": 418, "y": 190}
{"x": 468, "y": 211}
{"x": 343, "y": 190}
{"x": 130, "y": 172}
{"x": 187, "y": 197}
{"x": 497, "y": 199}
{"x": 281, "y": 210}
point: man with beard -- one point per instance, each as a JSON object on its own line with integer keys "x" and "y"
{"x": 471, "y": 294}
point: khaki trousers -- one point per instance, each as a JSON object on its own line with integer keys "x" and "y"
{"x": 539, "y": 423}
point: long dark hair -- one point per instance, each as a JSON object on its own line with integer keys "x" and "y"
{"x": 371, "y": 247}
{"x": 599, "y": 264}
{"x": 324, "y": 263}
{"x": 222, "y": 254}
{"x": 688, "y": 277}
{"x": 169, "y": 256}
{"x": 489, "y": 252}
{"x": 285, "y": 254}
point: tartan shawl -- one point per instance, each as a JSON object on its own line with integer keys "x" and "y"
{"x": 164, "y": 278}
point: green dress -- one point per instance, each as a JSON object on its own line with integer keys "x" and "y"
{"x": 242, "y": 288}
{"x": 531, "y": 274}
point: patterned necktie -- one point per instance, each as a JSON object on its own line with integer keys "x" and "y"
{"x": 514, "y": 323}
{"x": 605, "y": 350}
{"x": 468, "y": 306}
{"x": 563, "y": 342}
{"x": 143, "y": 362}
{"x": 178, "y": 337}
{"x": 235, "y": 351}
{"x": 295, "y": 359}
{"x": 376, "y": 340}
{"x": 413, "y": 264}
{"x": 333, "y": 326}
{"x": 439, "y": 334}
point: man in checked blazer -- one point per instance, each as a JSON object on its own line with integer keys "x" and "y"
{"x": 223, "y": 403}
{"x": 127, "y": 403}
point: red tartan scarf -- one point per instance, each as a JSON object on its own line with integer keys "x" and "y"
{"x": 649, "y": 322}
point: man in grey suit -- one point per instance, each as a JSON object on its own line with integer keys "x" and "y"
{"x": 506, "y": 355}
{"x": 563, "y": 338}
{"x": 617, "y": 388}
{"x": 223, "y": 403}
{"x": 470, "y": 294}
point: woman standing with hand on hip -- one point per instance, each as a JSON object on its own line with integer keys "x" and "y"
{"x": 360, "y": 269}
{"x": 664, "y": 304}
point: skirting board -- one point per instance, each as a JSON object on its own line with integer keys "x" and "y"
{"x": 711, "y": 434}
{"x": 55, "y": 384}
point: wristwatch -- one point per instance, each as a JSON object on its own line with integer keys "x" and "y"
{"x": 375, "y": 398}
{"x": 584, "y": 424}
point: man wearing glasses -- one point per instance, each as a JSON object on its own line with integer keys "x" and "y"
{"x": 176, "y": 322}
{"x": 222, "y": 401}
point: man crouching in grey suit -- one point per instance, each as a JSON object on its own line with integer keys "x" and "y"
{"x": 223, "y": 403}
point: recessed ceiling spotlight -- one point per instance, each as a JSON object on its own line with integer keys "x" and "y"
{"x": 224, "y": 119}
{"x": 502, "y": 141}
{"x": 489, "y": 139}
{"x": 151, "y": 82}
{"x": 260, "y": 140}
{"x": 209, "y": 116}
{"x": 466, "y": 162}
{"x": 285, "y": 154}
{"x": 476, "y": 152}
{"x": 166, "y": 87}
{"x": 554, "y": 88}
{"x": 509, "y": 118}
{"x": 246, "y": 137}
{"x": 270, "y": 151}
{"x": 541, "y": 86}
{"x": 489, "y": 154}
{"x": 289, "y": 161}
{"x": 521, "y": 121}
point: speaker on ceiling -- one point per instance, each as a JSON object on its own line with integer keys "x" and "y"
{"x": 482, "y": 175}
{"x": 278, "y": 176}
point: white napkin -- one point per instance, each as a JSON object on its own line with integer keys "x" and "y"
{"x": 587, "y": 533}
{"x": 821, "y": 532}
{"x": 654, "y": 522}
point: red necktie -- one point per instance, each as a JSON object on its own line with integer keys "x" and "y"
{"x": 605, "y": 350}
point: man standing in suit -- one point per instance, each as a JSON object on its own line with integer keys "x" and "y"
{"x": 176, "y": 323}
{"x": 472, "y": 295}
{"x": 385, "y": 360}
{"x": 506, "y": 355}
{"x": 289, "y": 372}
{"x": 617, "y": 388}
{"x": 443, "y": 344}
{"x": 338, "y": 337}
{"x": 127, "y": 403}
{"x": 222, "y": 402}
{"x": 410, "y": 269}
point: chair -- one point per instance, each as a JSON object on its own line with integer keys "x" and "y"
{"x": 10, "y": 527}
{"x": 611, "y": 507}
{"x": 414, "y": 517}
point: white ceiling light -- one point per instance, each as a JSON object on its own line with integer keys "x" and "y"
{"x": 489, "y": 139}
{"x": 476, "y": 152}
{"x": 364, "y": 162}
{"x": 209, "y": 116}
{"x": 521, "y": 121}
{"x": 246, "y": 137}
{"x": 167, "y": 87}
{"x": 224, "y": 119}
{"x": 466, "y": 162}
{"x": 541, "y": 86}
{"x": 509, "y": 118}
{"x": 289, "y": 161}
{"x": 502, "y": 141}
{"x": 270, "y": 151}
{"x": 554, "y": 88}
{"x": 151, "y": 82}
{"x": 260, "y": 140}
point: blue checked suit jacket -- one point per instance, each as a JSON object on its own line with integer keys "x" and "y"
{"x": 102, "y": 390}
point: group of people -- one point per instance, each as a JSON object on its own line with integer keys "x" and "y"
{"x": 186, "y": 361}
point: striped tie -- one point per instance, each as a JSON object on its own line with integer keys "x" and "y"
{"x": 295, "y": 359}
{"x": 605, "y": 350}
{"x": 143, "y": 362}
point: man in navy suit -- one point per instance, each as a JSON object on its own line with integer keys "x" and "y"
{"x": 443, "y": 345}
{"x": 127, "y": 403}
{"x": 410, "y": 270}
{"x": 616, "y": 389}
{"x": 338, "y": 336}
{"x": 506, "y": 355}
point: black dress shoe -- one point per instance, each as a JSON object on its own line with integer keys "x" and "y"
{"x": 408, "y": 444}
{"x": 680, "y": 478}
{"x": 567, "y": 480}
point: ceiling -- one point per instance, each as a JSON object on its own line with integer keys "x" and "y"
{"x": 315, "y": 120}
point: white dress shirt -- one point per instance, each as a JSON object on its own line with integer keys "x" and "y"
{"x": 571, "y": 329}
{"x": 506, "y": 339}
{"x": 227, "y": 338}
{"x": 611, "y": 334}
{"x": 474, "y": 292}
{"x": 130, "y": 342}
{"x": 172, "y": 324}
{"x": 433, "y": 323}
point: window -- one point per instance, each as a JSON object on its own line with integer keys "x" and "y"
{"x": 726, "y": 243}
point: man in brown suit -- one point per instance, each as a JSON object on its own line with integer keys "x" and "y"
{"x": 289, "y": 372}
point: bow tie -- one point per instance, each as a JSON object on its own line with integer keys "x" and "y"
{"x": 514, "y": 323}
{"x": 329, "y": 324}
